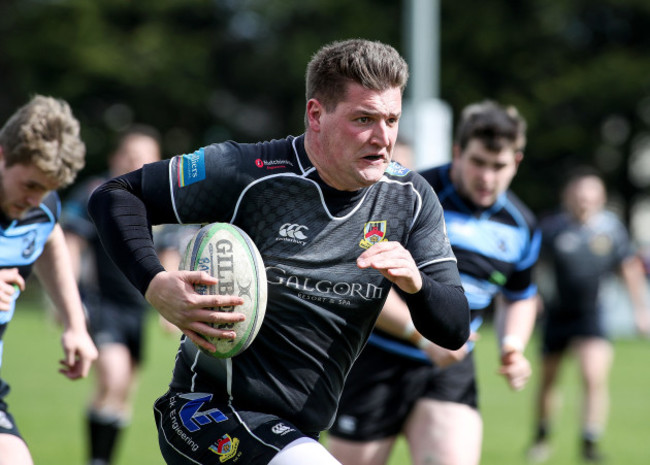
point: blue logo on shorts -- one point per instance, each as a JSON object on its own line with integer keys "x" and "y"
{"x": 190, "y": 416}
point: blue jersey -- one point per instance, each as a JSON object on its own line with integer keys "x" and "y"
{"x": 22, "y": 242}
{"x": 496, "y": 249}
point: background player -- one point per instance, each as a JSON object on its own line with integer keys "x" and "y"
{"x": 40, "y": 151}
{"x": 116, "y": 309}
{"x": 584, "y": 244}
{"x": 393, "y": 387}
{"x": 269, "y": 403}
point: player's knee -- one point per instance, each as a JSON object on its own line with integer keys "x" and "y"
{"x": 304, "y": 450}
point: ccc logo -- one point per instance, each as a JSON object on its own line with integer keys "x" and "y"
{"x": 294, "y": 231}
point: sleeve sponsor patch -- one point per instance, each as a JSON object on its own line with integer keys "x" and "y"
{"x": 396, "y": 169}
{"x": 191, "y": 168}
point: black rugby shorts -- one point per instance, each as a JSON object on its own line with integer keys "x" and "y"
{"x": 111, "y": 323}
{"x": 559, "y": 331}
{"x": 195, "y": 429}
{"x": 383, "y": 387}
{"x": 7, "y": 423}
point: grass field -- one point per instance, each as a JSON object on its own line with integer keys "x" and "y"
{"x": 50, "y": 409}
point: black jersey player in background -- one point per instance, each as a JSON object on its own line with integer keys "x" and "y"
{"x": 40, "y": 151}
{"x": 367, "y": 224}
{"x": 583, "y": 244}
{"x": 405, "y": 384}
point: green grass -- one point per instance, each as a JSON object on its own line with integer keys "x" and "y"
{"x": 50, "y": 409}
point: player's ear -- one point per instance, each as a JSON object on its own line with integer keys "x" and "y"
{"x": 519, "y": 156}
{"x": 315, "y": 111}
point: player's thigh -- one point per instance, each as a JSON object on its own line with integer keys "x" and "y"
{"x": 595, "y": 357}
{"x": 304, "y": 451}
{"x": 114, "y": 364}
{"x": 444, "y": 433}
{"x": 14, "y": 451}
{"x": 372, "y": 452}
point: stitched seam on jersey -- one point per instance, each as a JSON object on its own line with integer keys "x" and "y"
{"x": 171, "y": 188}
{"x": 438, "y": 260}
{"x": 196, "y": 361}
{"x": 245, "y": 425}
{"x": 295, "y": 151}
{"x": 320, "y": 193}
{"x": 229, "y": 377}
{"x": 418, "y": 209}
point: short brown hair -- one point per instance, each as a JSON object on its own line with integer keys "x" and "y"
{"x": 45, "y": 133}
{"x": 374, "y": 65}
{"x": 494, "y": 125}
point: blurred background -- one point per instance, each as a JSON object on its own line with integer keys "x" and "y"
{"x": 204, "y": 71}
{"x": 207, "y": 70}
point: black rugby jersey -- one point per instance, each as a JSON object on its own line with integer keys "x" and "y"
{"x": 321, "y": 306}
{"x": 582, "y": 256}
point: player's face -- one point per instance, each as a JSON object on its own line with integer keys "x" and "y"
{"x": 585, "y": 197}
{"x": 481, "y": 175}
{"x": 355, "y": 140}
{"x": 134, "y": 152}
{"x": 22, "y": 187}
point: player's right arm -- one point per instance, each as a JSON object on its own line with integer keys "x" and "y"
{"x": 635, "y": 280}
{"x": 123, "y": 216}
{"x": 10, "y": 280}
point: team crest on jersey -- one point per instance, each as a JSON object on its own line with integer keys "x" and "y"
{"x": 29, "y": 244}
{"x": 190, "y": 168}
{"x": 396, "y": 169}
{"x": 225, "y": 447}
{"x": 601, "y": 245}
{"x": 373, "y": 232}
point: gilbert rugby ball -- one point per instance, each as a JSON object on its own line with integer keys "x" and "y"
{"x": 228, "y": 253}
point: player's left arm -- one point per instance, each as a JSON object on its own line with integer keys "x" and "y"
{"x": 633, "y": 275}
{"x": 424, "y": 270}
{"x": 54, "y": 270}
{"x": 436, "y": 299}
{"x": 516, "y": 311}
{"x": 514, "y": 321}
{"x": 395, "y": 319}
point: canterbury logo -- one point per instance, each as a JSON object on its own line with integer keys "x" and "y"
{"x": 294, "y": 231}
{"x": 281, "y": 429}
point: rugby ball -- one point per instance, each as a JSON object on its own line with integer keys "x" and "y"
{"x": 228, "y": 253}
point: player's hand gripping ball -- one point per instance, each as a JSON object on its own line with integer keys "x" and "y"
{"x": 228, "y": 253}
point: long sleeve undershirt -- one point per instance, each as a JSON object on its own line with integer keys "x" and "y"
{"x": 124, "y": 226}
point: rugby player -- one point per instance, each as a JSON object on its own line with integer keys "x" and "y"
{"x": 40, "y": 152}
{"x": 366, "y": 224}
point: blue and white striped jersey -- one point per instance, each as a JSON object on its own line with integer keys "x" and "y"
{"x": 22, "y": 242}
{"x": 496, "y": 249}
